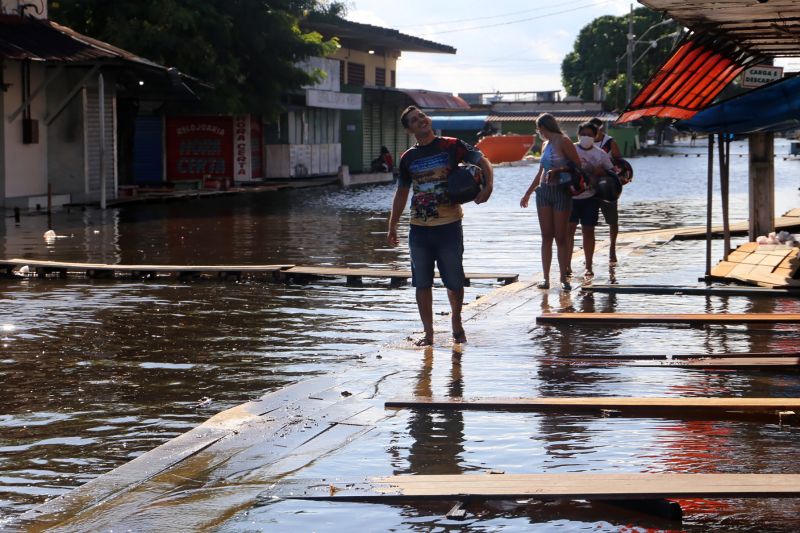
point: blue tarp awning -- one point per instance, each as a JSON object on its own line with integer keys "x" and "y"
{"x": 458, "y": 122}
{"x": 773, "y": 107}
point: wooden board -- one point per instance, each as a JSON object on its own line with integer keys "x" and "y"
{"x": 667, "y": 318}
{"x": 726, "y": 362}
{"x": 673, "y": 406}
{"x": 384, "y": 273}
{"x": 58, "y": 265}
{"x": 667, "y": 357}
{"x": 700, "y": 291}
{"x": 546, "y": 486}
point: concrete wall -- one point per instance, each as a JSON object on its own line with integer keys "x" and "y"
{"x": 303, "y": 160}
{"x": 65, "y": 144}
{"x": 387, "y": 60}
{"x": 25, "y": 165}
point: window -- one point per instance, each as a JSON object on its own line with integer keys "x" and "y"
{"x": 380, "y": 77}
{"x": 355, "y": 73}
{"x": 394, "y": 78}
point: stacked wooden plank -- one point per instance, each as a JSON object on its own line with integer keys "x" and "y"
{"x": 765, "y": 265}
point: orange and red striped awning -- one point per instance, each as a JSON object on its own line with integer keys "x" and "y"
{"x": 691, "y": 78}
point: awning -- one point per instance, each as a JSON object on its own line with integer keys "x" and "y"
{"x": 698, "y": 70}
{"x": 425, "y": 99}
{"x": 765, "y": 27}
{"x": 458, "y": 122}
{"x": 773, "y": 107}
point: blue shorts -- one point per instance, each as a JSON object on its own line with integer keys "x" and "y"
{"x": 443, "y": 245}
{"x": 554, "y": 196}
{"x": 585, "y": 210}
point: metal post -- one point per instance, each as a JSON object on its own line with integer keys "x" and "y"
{"x": 629, "y": 60}
{"x": 709, "y": 199}
{"x": 724, "y": 181}
{"x": 101, "y": 109}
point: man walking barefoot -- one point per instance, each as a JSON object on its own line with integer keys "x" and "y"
{"x": 435, "y": 235}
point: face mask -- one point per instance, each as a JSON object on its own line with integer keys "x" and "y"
{"x": 585, "y": 141}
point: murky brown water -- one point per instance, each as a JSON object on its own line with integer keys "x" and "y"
{"x": 95, "y": 373}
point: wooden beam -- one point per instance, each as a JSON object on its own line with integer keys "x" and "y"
{"x": 675, "y": 407}
{"x": 620, "y": 486}
{"x": 761, "y": 185}
{"x": 623, "y": 357}
{"x": 51, "y": 116}
{"x": 695, "y": 291}
{"x": 667, "y": 318}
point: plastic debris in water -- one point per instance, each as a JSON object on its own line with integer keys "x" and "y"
{"x": 49, "y": 235}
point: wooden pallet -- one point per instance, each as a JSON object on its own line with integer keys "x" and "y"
{"x": 60, "y": 269}
{"x": 771, "y": 266}
{"x": 667, "y": 318}
{"x": 544, "y": 486}
{"x": 355, "y": 276}
{"x": 668, "y": 406}
{"x": 693, "y": 291}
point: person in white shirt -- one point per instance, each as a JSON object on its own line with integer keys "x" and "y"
{"x": 585, "y": 208}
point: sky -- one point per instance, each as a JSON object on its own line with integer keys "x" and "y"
{"x": 502, "y": 45}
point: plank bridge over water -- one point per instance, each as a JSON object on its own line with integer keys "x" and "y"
{"x": 278, "y": 272}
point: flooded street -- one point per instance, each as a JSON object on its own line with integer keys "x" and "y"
{"x": 95, "y": 373}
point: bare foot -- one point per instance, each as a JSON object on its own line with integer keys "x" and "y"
{"x": 422, "y": 341}
{"x": 460, "y": 338}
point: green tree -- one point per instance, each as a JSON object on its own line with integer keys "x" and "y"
{"x": 598, "y": 53}
{"x": 246, "y": 49}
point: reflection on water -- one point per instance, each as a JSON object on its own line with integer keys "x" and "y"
{"x": 95, "y": 373}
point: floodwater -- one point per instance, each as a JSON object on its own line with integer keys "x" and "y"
{"x": 95, "y": 373}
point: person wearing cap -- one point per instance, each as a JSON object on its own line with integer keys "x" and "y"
{"x": 435, "y": 235}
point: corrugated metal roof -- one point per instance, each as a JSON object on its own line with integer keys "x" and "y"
{"x": 701, "y": 66}
{"x": 769, "y": 28}
{"x": 33, "y": 39}
{"x": 564, "y": 116}
{"x": 427, "y": 99}
{"x": 369, "y": 36}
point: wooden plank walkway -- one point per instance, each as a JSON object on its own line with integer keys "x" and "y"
{"x": 789, "y": 220}
{"x": 99, "y": 270}
{"x": 545, "y": 486}
{"x": 355, "y": 275}
{"x": 667, "y": 406}
{"x": 693, "y": 291}
{"x": 281, "y": 272}
{"x": 667, "y": 318}
{"x": 668, "y": 357}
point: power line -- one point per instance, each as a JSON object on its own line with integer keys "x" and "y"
{"x": 486, "y": 26}
{"x": 447, "y": 22}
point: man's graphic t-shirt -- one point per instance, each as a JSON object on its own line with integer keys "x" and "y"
{"x": 425, "y": 170}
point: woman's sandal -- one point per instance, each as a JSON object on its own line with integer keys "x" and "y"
{"x": 565, "y": 286}
{"x": 544, "y": 284}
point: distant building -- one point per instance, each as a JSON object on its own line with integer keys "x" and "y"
{"x": 361, "y": 109}
{"x": 50, "y": 138}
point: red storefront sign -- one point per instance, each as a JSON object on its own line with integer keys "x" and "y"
{"x": 256, "y": 143}
{"x": 199, "y": 146}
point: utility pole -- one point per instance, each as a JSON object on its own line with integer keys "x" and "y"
{"x": 629, "y": 58}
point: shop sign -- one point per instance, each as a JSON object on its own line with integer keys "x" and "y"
{"x": 760, "y": 75}
{"x": 199, "y": 147}
{"x": 241, "y": 147}
{"x": 332, "y": 100}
